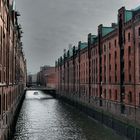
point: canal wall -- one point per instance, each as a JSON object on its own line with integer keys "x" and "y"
{"x": 16, "y": 114}
{"x": 120, "y": 125}
{"x": 8, "y": 131}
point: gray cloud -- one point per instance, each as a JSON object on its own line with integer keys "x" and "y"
{"x": 50, "y": 25}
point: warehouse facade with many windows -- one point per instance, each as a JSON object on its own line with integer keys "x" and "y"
{"x": 12, "y": 66}
{"x": 104, "y": 72}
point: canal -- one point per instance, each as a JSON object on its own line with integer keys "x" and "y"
{"x": 45, "y": 118}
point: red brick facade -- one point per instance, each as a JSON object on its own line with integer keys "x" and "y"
{"x": 105, "y": 71}
{"x": 12, "y": 66}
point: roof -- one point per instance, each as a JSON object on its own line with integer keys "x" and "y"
{"x": 83, "y": 45}
{"x": 93, "y": 39}
{"x": 107, "y": 30}
{"x": 136, "y": 9}
{"x": 128, "y": 15}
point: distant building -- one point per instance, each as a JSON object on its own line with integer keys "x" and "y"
{"x": 47, "y": 76}
{"x": 50, "y": 77}
{"x": 32, "y": 79}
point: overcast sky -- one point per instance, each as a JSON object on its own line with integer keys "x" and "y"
{"x": 51, "y": 25}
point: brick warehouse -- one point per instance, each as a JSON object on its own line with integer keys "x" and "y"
{"x": 12, "y": 66}
{"x": 104, "y": 72}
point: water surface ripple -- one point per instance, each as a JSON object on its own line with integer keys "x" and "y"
{"x": 44, "y": 118}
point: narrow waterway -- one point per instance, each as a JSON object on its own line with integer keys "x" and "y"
{"x": 45, "y": 118}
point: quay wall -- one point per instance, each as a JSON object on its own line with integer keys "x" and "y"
{"x": 122, "y": 126}
{"x": 9, "y": 116}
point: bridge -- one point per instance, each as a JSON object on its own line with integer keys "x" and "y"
{"x": 48, "y": 90}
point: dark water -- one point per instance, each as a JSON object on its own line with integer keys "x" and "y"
{"x": 45, "y": 118}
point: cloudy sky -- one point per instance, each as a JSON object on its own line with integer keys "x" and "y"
{"x": 51, "y": 25}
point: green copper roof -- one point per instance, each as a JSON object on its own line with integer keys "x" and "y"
{"x": 106, "y": 30}
{"x": 83, "y": 45}
{"x": 137, "y": 8}
{"x": 93, "y": 39}
{"x": 128, "y": 15}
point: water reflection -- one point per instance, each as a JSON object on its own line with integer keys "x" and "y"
{"x": 45, "y": 118}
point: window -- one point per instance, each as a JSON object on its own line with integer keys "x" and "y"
{"x": 104, "y": 93}
{"x": 110, "y": 67}
{"x": 104, "y": 58}
{"x": 115, "y": 54}
{"x": 110, "y": 94}
{"x": 109, "y": 57}
{"x": 115, "y": 67}
{"x": 0, "y": 105}
{"x": 115, "y": 43}
{"x": 105, "y": 79}
{"x": 104, "y": 48}
{"x": 128, "y": 37}
{"x": 139, "y": 31}
{"x": 115, "y": 94}
{"x": 139, "y": 62}
{"x": 109, "y": 45}
{"x": 139, "y": 98}
{"x": 129, "y": 64}
{"x": 109, "y": 79}
{"x": 129, "y": 77}
{"x": 4, "y": 102}
{"x": 0, "y": 8}
{"x": 0, "y": 76}
{"x": 115, "y": 78}
{"x": 130, "y": 97}
{"x": 129, "y": 50}
{"x": 105, "y": 69}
